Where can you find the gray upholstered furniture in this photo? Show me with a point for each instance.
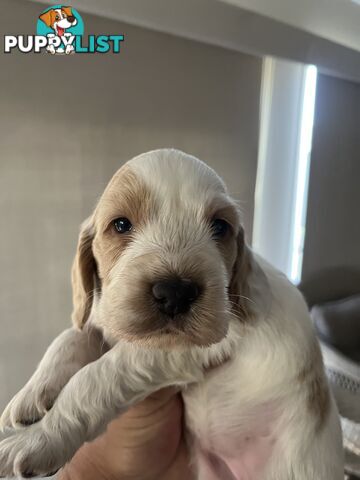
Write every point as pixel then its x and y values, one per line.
pixel 334 300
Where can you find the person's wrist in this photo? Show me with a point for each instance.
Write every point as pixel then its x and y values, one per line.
pixel 84 468
pixel 144 444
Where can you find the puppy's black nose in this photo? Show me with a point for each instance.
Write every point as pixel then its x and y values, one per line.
pixel 175 295
pixel 71 18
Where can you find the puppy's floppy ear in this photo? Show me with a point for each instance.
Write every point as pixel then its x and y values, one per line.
pixel 67 10
pixel 238 287
pixel 46 18
pixel 84 274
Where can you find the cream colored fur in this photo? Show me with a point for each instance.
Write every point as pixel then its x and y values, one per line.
pixel 246 359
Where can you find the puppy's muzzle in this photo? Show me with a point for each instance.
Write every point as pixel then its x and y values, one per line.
pixel 175 295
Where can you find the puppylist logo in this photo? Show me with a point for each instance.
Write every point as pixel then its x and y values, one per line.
pixel 60 31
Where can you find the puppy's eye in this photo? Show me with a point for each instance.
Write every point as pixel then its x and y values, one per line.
pixel 57 17
pixel 219 228
pixel 122 225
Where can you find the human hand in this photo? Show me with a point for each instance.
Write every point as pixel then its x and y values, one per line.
pixel 146 443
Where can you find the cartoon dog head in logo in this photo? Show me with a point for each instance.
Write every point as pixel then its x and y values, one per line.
pixel 59 19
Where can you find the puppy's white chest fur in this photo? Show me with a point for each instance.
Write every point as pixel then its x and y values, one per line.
pixel 231 439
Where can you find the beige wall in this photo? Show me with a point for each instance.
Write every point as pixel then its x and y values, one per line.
pixel 218 23
pixel 333 220
pixel 67 123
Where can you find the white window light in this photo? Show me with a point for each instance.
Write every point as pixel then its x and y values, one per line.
pixel 287 115
pixel 302 177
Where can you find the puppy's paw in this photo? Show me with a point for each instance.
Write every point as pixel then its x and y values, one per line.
pixel 28 406
pixel 29 453
pixel 69 49
pixel 51 49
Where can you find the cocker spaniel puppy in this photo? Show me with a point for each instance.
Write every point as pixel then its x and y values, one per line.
pixel 166 292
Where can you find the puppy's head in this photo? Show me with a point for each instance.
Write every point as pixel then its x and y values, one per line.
pixel 164 250
pixel 61 17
